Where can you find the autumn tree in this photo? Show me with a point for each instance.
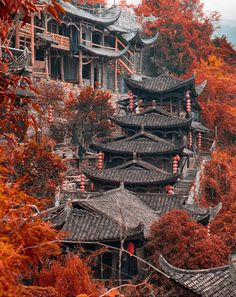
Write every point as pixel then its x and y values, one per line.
pixel 184 32
pixel 218 180
pixel 90 112
pixel 219 98
pixel 39 171
pixel 69 277
pixel 25 240
pixel 184 243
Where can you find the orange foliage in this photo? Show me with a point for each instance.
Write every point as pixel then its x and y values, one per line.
pixel 219 186
pixel 90 115
pixel 184 243
pixel 185 32
pixel 218 101
pixel 25 240
pixel 224 225
pixel 38 170
pixel 219 178
pixel 71 277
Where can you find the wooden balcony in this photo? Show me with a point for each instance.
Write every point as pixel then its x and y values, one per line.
pixel 63 42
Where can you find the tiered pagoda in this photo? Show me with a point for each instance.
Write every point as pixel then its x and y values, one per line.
pixel 157 143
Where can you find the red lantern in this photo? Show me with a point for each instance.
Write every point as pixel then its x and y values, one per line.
pixel 177 158
pixel 190 139
pixel 82 183
pixel 131 248
pixel 188 101
pixel 169 189
pixel 92 187
pixel 50 113
pixel 131 100
pixel 175 163
pixel 199 140
pixel 100 160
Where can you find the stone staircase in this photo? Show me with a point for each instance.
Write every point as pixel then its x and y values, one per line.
pixel 183 186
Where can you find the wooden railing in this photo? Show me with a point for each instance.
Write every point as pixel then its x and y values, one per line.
pixel 63 41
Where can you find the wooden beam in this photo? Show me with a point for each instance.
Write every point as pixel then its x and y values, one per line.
pixel 103 81
pixel 62 68
pixel 17 34
pixel 116 76
pixel 32 39
pixel 91 74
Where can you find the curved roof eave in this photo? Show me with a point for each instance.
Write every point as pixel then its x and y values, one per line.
pixel 135 85
pixel 103 52
pixel 82 14
pixel 146 42
pixel 133 125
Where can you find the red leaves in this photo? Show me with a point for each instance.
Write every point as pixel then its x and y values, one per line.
pixel 90 113
pixel 43 170
pixel 71 277
pixel 185 243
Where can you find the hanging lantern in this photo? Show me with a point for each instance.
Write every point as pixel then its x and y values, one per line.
pixel 131 100
pixel 169 189
pixel 100 160
pixel 175 161
pixel 199 140
pixel 130 248
pixel 92 187
pixel 50 113
pixel 190 139
pixel 209 229
pixel 188 101
pixel 82 183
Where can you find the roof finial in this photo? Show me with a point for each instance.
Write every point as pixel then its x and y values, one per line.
pixel 122 185
pixel 154 104
pixel 134 156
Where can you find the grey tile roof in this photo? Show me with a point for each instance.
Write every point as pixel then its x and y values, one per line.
pixel 200 88
pixel 199 214
pixel 154 118
pixel 162 203
pixel 214 282
pixel 83 225
pixel 199 127
pixel 133 172
pixel 142 143
pixel 161 84
pixel 103 52
pixel 106 19
pixel 136 39
pixel 124 207
pixel 82 222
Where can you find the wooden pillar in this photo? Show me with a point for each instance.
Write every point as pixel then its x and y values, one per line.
pixel 171 105
pixel 46 63
pixel 80 75
pixel 116 76
pixel 134 65
pixel 32 39
pixel 17 35
pixel 91 74
pixel 141 61
pixel 62 68
pixel 47 49
pixel 103 81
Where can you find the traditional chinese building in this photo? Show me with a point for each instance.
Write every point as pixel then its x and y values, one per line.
pixel 213 282
pixel 87 47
